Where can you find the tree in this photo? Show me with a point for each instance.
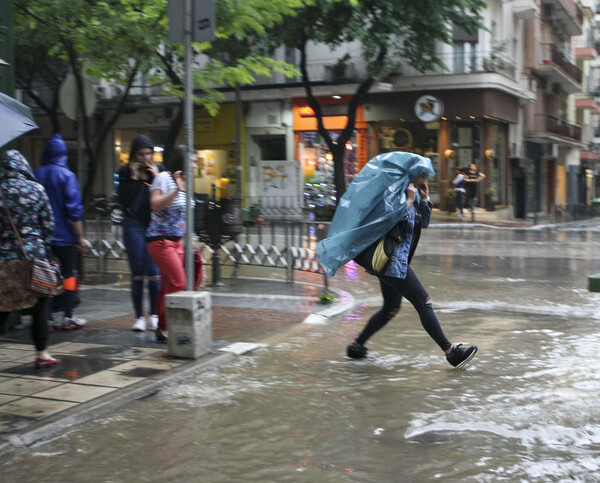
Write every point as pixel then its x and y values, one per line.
pixel 116 40
pixel 388 30
pixel 113 39
pixel 234 58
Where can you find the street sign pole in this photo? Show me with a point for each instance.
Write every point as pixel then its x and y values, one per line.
pixel 189 145
pixel 190 21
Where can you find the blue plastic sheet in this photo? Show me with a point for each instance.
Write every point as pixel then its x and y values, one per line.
pixel 373 203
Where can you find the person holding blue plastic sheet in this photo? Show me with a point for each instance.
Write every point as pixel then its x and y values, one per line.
pixel 378 224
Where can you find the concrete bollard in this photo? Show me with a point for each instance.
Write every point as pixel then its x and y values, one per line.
pixel 189 323
pixel 594 283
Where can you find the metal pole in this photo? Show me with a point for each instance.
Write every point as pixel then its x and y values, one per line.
pixel 189 144
pixel 238 141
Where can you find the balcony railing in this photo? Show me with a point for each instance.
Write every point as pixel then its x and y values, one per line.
pixel 455 62
pixel 551 54
pixel 555 125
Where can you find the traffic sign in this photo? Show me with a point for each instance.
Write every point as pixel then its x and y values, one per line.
pixel 203 20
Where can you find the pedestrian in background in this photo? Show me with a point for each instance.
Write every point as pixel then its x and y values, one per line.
pixel 459 186
pixel 167 229
pixel 133 192
pixel 63 191
pixel 473 177
pixel 25 202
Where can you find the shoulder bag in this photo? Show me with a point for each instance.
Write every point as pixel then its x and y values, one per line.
pixel 376 257
pixel 45 276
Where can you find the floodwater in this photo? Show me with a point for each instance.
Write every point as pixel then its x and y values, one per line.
pixel 526 409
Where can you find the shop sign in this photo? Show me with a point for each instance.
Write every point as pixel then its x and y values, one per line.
pixel 205 124
pixel 306 111
pixel 326 110
pixel 281 184
pixel 429 108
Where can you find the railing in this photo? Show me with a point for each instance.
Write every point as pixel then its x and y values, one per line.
pixel 470 62
pixel 552 54
pixel 283 244
pixel 455 63
pixel 555 125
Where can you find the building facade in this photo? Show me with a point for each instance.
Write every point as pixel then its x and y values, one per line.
pixel 518 99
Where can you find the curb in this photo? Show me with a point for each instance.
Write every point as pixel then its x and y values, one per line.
pixel 347 302
pixel 86 412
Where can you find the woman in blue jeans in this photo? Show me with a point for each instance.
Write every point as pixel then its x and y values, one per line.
pixel 135 180
pixel 398 280
pixel 378 224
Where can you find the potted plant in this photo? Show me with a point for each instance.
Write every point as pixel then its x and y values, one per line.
pixel 450 198
pixel 490 195
pixel 340 67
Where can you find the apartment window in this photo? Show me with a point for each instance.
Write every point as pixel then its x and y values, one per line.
pixel 465 57
pixel 465 50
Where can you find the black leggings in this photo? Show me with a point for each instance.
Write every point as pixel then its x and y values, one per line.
pixel 393 289
pixel 39 323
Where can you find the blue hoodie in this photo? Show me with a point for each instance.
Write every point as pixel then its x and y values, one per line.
pixel 62 188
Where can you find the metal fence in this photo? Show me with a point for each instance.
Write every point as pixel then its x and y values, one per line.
pixel 283 244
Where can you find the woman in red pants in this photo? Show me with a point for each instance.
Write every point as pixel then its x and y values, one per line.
pixel 164 236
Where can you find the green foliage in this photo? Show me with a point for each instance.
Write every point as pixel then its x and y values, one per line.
pixel 388 32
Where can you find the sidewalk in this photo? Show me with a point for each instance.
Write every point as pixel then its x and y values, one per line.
pixel 106 364
pixel 500 217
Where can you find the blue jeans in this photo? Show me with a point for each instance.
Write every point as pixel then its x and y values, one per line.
pixel 141 266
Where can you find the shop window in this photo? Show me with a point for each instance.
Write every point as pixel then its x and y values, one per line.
pixel 465 139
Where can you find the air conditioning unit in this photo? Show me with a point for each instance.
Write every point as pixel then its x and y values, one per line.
pixel 101 92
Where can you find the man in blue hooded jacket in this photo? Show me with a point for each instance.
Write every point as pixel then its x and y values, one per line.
pixel 62 188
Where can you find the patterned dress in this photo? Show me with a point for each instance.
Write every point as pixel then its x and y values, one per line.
pixel 31 213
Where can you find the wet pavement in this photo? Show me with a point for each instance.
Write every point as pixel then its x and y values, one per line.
pixel 105 362
pixel 524 410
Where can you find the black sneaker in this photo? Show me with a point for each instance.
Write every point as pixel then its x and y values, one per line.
pixel 459 357
pixel 356 351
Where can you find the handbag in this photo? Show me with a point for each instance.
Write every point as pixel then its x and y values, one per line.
pixel 15 289
pixel 376 257
pixel 44 277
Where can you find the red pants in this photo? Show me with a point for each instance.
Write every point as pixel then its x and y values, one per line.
pixel 169 256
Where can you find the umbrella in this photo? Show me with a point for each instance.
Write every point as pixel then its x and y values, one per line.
pixel 15 119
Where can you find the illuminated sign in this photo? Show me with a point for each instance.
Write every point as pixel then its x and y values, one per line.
pixel 429 108
pixel 306 111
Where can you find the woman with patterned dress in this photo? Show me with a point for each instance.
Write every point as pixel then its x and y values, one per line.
pixel 30 210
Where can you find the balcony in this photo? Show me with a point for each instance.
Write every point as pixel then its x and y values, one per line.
pixel 557 69
pixel 587 103
pixel 525 9
pixel 564 15
pixel 586 53
pixel 548 126
pixel 470 62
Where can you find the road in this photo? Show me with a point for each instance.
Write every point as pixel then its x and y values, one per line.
pixel 525 409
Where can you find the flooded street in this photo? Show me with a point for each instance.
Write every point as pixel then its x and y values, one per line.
pixel 525 409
